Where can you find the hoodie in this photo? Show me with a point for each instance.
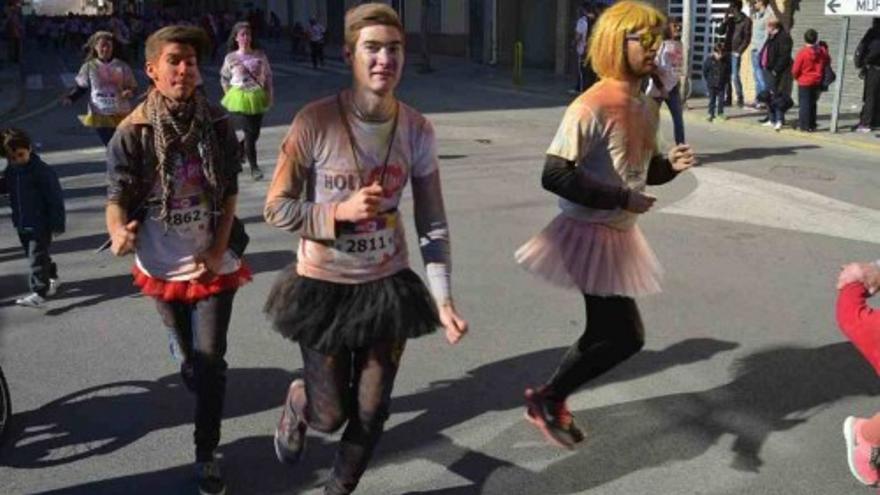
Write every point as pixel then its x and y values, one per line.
pixel 809 65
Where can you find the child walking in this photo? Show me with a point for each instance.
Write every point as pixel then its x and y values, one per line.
pixel 37 211
pixel 716 73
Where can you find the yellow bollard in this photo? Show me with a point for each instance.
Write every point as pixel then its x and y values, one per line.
pixel 517 63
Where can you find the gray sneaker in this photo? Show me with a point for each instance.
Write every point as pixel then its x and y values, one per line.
pixel 33 300
pixel 290 435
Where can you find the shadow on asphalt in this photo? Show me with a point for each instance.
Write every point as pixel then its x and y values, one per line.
pixel 773 390
pixel 105 418
pixel 251 467
pixel 99 290
pixel 746 154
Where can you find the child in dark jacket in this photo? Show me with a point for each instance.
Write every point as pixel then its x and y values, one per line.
pixel 861 324
pixel 716 73
pixel 37 211
pixel 808 70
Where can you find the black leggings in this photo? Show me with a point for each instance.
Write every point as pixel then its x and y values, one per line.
pixel 352 385
pixel 613 333
pixel 250 125
pixel 199 331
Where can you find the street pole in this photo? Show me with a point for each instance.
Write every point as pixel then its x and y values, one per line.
pixel 687 42
pixel 841 66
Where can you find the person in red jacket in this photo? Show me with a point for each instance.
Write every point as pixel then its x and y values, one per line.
pixel 861 325
pixel 808 69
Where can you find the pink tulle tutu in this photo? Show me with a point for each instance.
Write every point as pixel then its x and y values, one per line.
pixel 593 258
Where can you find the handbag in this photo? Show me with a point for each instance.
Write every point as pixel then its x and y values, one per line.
pixel 828 77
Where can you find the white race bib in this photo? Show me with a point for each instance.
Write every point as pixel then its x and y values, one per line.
pixel 106 102
pixel 189 217
pixel 368 242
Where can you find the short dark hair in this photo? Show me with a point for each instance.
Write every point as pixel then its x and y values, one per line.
pixel 736 4
pixel 811 36
pixel 13 139
pixel 193 36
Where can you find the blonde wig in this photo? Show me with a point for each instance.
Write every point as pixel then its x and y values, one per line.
pixel 607 43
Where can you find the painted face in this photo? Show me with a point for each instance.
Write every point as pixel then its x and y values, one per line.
pixel 19 156
pixel 243 38
pixel 641 50
pixel 104 49
pixel 175 72
pixel 377 60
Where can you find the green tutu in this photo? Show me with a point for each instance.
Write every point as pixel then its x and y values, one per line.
pixel 248 102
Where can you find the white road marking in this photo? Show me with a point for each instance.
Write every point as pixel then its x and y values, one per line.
pixel 736 197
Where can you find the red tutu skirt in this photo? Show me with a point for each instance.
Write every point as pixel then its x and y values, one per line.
pixel 189 291
pixel 592 258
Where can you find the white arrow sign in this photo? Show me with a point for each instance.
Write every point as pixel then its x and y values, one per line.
pixel 852 7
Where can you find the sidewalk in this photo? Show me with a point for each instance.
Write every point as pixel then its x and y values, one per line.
pixel 557 88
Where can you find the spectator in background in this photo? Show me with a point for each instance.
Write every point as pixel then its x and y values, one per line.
pixel 581 35
pixel 665 84
pixel 759 37
pixel 776 61
pixel 737 31
pixel 867 60
pixel 808 70
pixel 14 30
pixel 297 37
pixel 316 42
pixel 716 73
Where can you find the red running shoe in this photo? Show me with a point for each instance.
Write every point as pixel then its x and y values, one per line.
pixel 553 419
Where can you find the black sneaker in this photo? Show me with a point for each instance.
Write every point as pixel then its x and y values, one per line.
pixel 553 419
pixel 256 173
pixel 290 436
pixel 210 480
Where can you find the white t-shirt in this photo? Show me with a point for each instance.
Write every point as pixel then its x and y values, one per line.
pixel 610 135
pixel 167 252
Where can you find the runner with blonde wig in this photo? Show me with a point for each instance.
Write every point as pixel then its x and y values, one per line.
pixel 602 157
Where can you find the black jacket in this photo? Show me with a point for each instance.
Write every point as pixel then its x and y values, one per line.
pixel 716 73
pixel 737 32
pixel 35 196
pixel 131 160
pixel 868 51
pixel 778 49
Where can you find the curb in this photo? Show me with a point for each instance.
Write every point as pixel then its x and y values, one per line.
pixel 825 137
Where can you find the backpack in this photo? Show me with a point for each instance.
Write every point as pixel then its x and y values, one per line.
pixel 828 77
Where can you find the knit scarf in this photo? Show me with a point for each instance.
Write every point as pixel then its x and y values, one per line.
pixel 182 130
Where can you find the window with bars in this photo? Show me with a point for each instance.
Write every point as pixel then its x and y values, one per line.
pixel 708 15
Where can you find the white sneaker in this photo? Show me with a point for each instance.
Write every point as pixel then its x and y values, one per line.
pixel 54 285
pixel 34 300
pixel 769 123
pixel 777 126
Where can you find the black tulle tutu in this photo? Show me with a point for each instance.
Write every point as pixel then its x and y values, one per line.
pixel 327 316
